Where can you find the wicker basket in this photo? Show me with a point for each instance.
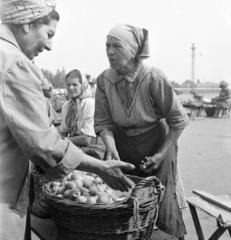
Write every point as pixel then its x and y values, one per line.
pixel 39 205
pixel 133 219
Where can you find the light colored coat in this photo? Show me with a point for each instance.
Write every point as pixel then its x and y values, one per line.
pixel 25 134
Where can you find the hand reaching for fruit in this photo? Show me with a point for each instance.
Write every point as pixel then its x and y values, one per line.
pixel 112 174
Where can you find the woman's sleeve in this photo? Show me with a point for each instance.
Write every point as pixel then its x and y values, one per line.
pixel 102 117
pixel 165 101
pixel 25 112
pixel 87 127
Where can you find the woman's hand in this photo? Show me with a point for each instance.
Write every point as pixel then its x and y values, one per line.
pixel 111 173
pixel 150 164
pixel 109 141
pixel 111 153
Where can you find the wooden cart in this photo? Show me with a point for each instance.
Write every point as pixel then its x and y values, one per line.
pixel 218 207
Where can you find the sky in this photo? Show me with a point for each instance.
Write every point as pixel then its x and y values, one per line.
pixel 173 26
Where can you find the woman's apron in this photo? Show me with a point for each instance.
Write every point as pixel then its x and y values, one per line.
pixel 134 149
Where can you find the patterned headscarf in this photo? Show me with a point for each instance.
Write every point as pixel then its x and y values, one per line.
pixel 134 37
pixel 24 11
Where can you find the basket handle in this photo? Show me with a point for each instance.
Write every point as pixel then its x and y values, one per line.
pixel 150 181
pixel 155 183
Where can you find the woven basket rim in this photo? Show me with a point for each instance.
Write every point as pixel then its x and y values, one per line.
pixel 125 203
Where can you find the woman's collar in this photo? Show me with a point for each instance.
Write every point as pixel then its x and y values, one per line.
pixel 130 77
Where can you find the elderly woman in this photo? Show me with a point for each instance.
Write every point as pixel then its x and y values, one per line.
pixel 139 117
pixel 221 102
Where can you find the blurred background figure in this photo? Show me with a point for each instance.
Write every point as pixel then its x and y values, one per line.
pixel 92 82
pixel 48 93
pixel 222 102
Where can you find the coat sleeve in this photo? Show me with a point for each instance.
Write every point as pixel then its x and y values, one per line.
pixel 26 116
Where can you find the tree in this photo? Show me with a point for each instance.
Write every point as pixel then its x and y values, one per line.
pixel 175 84
pixel 57 79
pixel 188 84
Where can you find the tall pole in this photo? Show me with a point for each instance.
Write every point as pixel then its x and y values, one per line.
pixel 193 48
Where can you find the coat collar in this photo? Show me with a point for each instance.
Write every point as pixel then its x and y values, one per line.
pixel 114 77
pixel 7 35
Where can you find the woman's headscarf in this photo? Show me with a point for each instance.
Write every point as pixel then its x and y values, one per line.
pixel 24 11
pixel 134 37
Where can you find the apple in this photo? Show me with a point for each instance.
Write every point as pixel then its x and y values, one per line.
pixel 81 199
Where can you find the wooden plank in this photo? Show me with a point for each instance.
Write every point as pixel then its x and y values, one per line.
pixel 211 209
pixel 221 201
pixel 217 234
pixel 196 221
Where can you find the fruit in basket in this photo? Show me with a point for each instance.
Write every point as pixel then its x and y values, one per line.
pixel 81 199
pixel 78 183
pixel 87 181
pixel 98 180
pixel 67 193
pixel 74 175
pixel 93 190
pixel 70 185
pixel 84 192
pixel 74 194
pixel 60 195
pixel 92 200
pixel 84 187
pixel 61 190
pixel 103 199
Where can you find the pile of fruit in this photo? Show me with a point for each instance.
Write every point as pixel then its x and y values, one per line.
pixel 83 187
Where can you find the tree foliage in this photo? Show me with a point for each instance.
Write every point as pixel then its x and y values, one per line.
pixel 57 79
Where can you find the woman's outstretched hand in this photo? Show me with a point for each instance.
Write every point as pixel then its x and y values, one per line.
pixel 111 173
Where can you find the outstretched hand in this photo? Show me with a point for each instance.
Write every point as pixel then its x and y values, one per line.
pixel 114 177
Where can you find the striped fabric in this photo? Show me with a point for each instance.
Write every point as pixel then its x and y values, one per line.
pixel 152 100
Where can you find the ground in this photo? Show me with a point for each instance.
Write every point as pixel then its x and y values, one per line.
pixel 205 163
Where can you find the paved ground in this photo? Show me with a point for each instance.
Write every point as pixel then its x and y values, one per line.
pixel 205 163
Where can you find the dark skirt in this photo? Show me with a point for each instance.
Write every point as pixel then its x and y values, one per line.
pixel 136 148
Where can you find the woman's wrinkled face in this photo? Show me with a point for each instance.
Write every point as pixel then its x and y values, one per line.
pixel 118 53
pixel 74 87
